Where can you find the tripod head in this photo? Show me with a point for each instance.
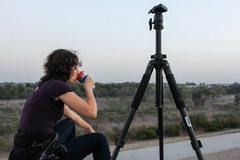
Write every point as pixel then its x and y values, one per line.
pixel 158 26
pixel 157 10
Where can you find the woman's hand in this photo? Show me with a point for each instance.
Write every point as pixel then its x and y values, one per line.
pixel 90 129
pixel 88 83
pixel 77 119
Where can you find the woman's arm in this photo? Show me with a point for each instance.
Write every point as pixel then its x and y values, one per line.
pixel 77 119
pixel 86 108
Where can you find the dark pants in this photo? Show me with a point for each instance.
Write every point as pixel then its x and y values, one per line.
pixel 80 147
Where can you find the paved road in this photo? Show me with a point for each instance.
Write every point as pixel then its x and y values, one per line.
pixel 182 150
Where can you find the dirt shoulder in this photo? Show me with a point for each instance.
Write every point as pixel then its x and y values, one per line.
pixel 151 143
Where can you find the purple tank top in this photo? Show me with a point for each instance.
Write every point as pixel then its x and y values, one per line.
pixel 41 109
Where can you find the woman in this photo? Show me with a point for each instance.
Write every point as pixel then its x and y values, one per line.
pixel 46 105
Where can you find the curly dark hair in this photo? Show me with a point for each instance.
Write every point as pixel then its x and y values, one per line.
pixel 59 64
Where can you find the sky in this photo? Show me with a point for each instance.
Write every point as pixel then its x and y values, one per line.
pixel 200 38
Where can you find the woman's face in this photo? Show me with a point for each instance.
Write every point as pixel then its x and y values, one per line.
pixel 74 73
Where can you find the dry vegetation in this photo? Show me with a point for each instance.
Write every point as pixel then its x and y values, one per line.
pixel 114 111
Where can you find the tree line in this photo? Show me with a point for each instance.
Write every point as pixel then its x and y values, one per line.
pixel 127 89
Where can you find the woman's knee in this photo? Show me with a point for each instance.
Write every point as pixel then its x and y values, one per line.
pixel 100 135
pixel 102 138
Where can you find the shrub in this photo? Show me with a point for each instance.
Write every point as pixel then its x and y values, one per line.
pixel 143 133
pixel 199 120
pixel 213 126
pixel 232 121
pixel 228 121
pixel 172 130
pixel 113 133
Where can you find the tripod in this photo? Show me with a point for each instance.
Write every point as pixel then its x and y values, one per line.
pixel 157 61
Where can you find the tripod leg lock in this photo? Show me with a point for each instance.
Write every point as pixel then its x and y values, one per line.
pixel 196 145
pixel 120 142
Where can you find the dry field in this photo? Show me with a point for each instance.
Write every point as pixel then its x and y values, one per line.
pixel 10 111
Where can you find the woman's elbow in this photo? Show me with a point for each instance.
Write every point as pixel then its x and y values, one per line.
pixel 93 115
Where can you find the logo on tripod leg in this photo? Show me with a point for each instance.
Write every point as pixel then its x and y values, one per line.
pixel 188 122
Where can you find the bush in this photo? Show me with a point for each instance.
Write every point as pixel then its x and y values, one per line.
pixel 172 130
pixel 113 133
pixel 143 133
pixel 232 120
pixel 199 120
pixel 220 122
pixel 213 126
pixel 229 120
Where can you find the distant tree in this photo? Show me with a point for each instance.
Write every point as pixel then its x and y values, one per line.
pixel 8 91
pixel 187 92
pixel 20 89
pixel 234 88
pixel 25 92
pixel 200 94
pixel 217 90
pixel 237 99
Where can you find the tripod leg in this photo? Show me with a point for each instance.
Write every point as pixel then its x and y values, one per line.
pixel 135 104
pixel 196 144
pixel 159 105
